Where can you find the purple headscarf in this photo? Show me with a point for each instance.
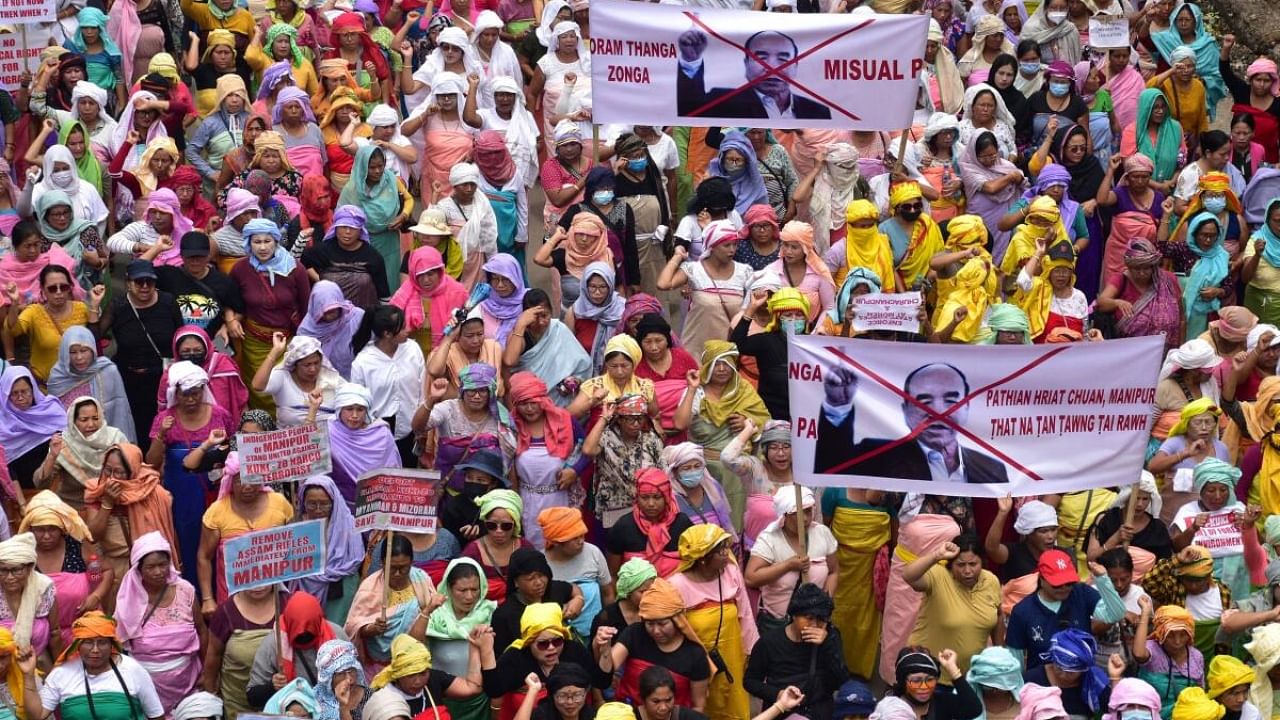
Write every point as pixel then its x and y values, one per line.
pixel 748 185
pixel 335 337
pixel 348 216
pixel 272 77
pixel 343 549
pixel 166 201
pixel 505 309
pixel 1054 174
pixel 22 430
pixel 292 94
pixel 355 452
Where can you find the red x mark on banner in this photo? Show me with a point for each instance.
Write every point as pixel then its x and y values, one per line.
pixel 944 417
pixel 771 71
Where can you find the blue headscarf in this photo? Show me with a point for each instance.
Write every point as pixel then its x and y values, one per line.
pixel 1270 253
pixel 93 17
pixel 857 276
pixel 1209 270
pixel 1073 650
pixel 296 691
pixel 282 263
pixel 1205 49
pixel 748 185
pixel 334 657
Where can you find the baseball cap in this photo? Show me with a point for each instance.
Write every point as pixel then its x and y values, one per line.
pixel 194 244
pixel 854 698
pixel 141 269
pixel 1057 567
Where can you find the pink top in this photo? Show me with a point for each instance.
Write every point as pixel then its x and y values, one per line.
pixel 733 588
pixel 555 176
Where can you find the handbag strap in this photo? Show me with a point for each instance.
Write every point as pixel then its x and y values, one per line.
pixel 145 334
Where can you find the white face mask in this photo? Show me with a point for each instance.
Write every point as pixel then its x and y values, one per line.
pixel 62 178
pixel 1057 17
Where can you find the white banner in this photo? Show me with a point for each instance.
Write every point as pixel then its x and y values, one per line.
pixel 14 59
pixel 28 11
pixel 660 64
pixel 972 420
pixel 1108 31
pixel 895 312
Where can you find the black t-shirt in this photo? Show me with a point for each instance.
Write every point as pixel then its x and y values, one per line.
pixel 609 616
pixel 506 619
pixel 625 537
pixel 1022 562
pixel 1038 104
pixel 688 660
pixel 438 681
pixel 361 273
pixel 1072 697
pixel 1154 538
pixel 144 339
pixel 201 302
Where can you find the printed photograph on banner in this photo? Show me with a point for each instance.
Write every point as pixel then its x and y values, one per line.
pixel 672 64
pixel 971 420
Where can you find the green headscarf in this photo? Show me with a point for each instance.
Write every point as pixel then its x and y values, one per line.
pixel 88 166
pixel 69 238
pixel 444 622
pixel 1005 318
pixel 1168 137
pixel 634 573
pixel 996 668
pixel 381 203
pixel 278 29
pixel 501 499
pixel 1213 470
pixel 1271 534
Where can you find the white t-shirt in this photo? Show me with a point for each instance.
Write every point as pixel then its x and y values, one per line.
pixel 291 402
pixel 394 383
pixel 1219 535
pixel 690 230
pixel 587 565
pixel 67 681
pixel 772 547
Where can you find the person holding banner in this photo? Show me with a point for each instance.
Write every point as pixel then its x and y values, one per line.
pixel 396 599
pixel 1221 523
pixel 319 499
pixel 776 568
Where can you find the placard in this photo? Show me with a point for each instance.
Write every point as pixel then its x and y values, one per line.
pixel 898 312
pixel 274 555
pixel 287 455
pixel 13 59
pixel 1108 31
pixel 396 499
pixel 660 64
pixel 971 420
pixel 21 12
pixel 1219 535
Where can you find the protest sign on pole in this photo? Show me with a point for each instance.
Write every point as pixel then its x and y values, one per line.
pixel 274 555
pixel 896 312
pixel 396 499
pixel 287 455
pixel 19 51
pixel 971 420
pixel 658 64
pixel 1108 31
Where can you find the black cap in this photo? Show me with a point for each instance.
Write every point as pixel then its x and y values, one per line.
pixel 141 269
pixel 195 244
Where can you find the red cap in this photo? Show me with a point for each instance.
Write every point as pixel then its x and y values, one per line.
pixel 1057 567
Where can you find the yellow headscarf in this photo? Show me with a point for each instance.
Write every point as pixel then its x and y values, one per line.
pixel 699 540
pixel 615 711
pixel 46 508
pixel 1261 417
pixel 1265 649
pixel 1196 407
pixel 164 65
pixel 1215 182
pixel 270 140
pixel 1226 672
pixel 867 247
pixel 738 397
pixel 146 180
pixel 341 97
pixel 627 345
pixel 1037 301
pixel 966 231
pixel 1194 704
pixel 1199 568
pixel 14 677
pixel 216 38
pixel 926 238
pixel 1170 619
pixel 230 84
pixel 968 290
pixel 1025 238
pixel 537 619
pixel 788 298
pixel 408 657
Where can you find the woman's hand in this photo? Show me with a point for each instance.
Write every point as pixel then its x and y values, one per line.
pixel 947 659
pixel 217 436
pixel 375 628
pixel 1124 307
pixel 279 343
pixel 207 607
pixel 789 699
pixel 814 634
pixel 165 426
pixel 604 637
pixel 406 50
pixel 482 637
pixel 55 445
pixel 92 601
pixel 532 685
pixel 349 694
pixel 1004 505
pixel 736 423
pixel 26 661
pixel 566 478
pixel 113 490
pixel 693 380
pixel 96 296
pixel 1144 606
pixel 278 680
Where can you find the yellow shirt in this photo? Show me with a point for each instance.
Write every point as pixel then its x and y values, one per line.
pixel 956 617
pixel 46 335
pixel 220 518
pixel 1267 278
pixel 1187 106
pixel 240 22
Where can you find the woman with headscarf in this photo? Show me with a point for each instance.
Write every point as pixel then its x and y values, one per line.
pixel 295 122
pixel 270 159
pixel 864 245
pixel 30 419
pixel 1209 279
pixel 667 640
pixel 103 60
pixel 801 267
pixel 1146 533
pixel 991 184
pixel 282 44
pixel 549 457
pixel 995 674
pixel 81 372
pixel 386 203
pixel 651 531
pixel 985 111
pixel 1187 30
pixel 332 320
pixel 829 189
pixel 1261 269
pixel 775 566
pixel 633 579
pixel 359 441
pixel 63 550
pixel 1146 299
pixel 505 190
pixel 1072 668
pixel 664 361
pixel 358 50
pixel 596 312
pixel 1156 134
pixel 413 681
pixel 1078 204
pixel 500 513
pixel 1167 660
pixel 1229 681
pixel 1257 96
pixel 429 299
pixel 544 647
pixel 159 621
pixel 605 232
pixel 759 233
pixel 126 500
pixel 342 119
pixel 84 442
pixel 341 689
pixel 345 256
pixel 1138 207
pixel 375 618
pixel 62 172
pixel 240 508
pixel 300 630
pixel 698 495
pixel 451 626
pixel 192 343
pixel 717 285
pixel 1046 291
pixel 473 421
pixel 617 379
pixel 220 57
pixel 736 162
pixel 447 139
pixel 622 441
pixel 28 604
pixel 1058 39
pixel 303 371
pixel 503 307
pixel 1210 521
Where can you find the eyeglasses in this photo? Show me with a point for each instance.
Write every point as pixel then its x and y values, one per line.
pixel 911 206
pixel 318 506
pixel 571 696
pixel 143 282
pixel 59 288
pixel 922 681
pixel 116 473
pixel 20 392
pixel 492 525
pixel 549 643
pixel 95 643
pixel 475 392
pixel 14 571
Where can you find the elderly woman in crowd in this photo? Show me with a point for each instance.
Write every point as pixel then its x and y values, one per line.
pixel 193 344
pixel 28 599
pixel 292 385
pixel 623 441
pixel 468 423
pixel 1167 659
pixel 1191 440
pixel 30 421
pixel 81 371
pixel 698 494
pixel 319 499
pixel 1215 520
pixel 358 441
pixel 775 567
pixel 64 552
pixel 1145 299
pixel 85 441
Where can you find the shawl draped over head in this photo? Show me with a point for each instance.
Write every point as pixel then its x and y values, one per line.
pixel 1164 151
pixel 738 397
pixel 333 657
pixel 577 259
pixel 408 657
pixel 1086 175
pixel 657 532
pixel 47 509
pixel 673 456
pixel 343 550
pixel 748 184
pixel 21 431
pixel 525 387
pixel 868 247
pixel 296 691
pixel 447 296
pixel 198 705
pixel 996 668
pixel 21 550
pixel 444 622
pixel 1073 650
pixel 1036 701
pixel 608 315
pixel 371 446
pixel 505 309
pixel 1204 49
pixel 101 378
pixel 281 263
pixel 835 187
pixel 381 203
pixel 148 505
pixel 82 455
pixel 334 335
pixel 1209 270
pixel 1194 704
pixel 1265 650
pixel 133 601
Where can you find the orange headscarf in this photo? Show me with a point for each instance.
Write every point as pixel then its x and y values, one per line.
pixel 575 260
pixel 149 505
pixel 652 479
pixel 557 429
pixel 1170 619
pixel 661 601
pixel 561 524
pixel 91 625
pixel 802 233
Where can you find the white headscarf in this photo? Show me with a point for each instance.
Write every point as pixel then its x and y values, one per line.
pixel 479 234
pixel 1256 333
pixel 548 20
pixel 502 58
pixel 1147 484
pixel 201 704
pixel 835 187
pixel 1033 516
pixel 1002 111
pixel 1196 355
pixel 21 550
pixel 85 201
pixel 350 393
pixel 784 503
pixel 520 132
pixel 121 131
pixel 184 376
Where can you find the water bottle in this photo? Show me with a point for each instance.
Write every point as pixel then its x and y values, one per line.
pixel 946 177
pixel 95 571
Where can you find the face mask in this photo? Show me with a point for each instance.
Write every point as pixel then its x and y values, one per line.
pixel 303 639
pixel 637 166
pixel 690 478
pixel 1215 205
pixel 1135 715
pixel 62 178
pixel 1057 17
pixel 195 358
pixel 1029 68
pixel 733 169
pixel 1059 89
pixel 910 215
pixel 793 326
pixel 474 490
pixel 603 197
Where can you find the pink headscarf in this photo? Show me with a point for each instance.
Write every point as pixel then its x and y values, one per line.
pixel 132 598
pixel 1082 69
pixel 1040 703
pixel 1265 66
pixel 26 275
pixel 447 296
pixel 718 232
pixel 125 28
pixel 166 201
pixel 493 158
pixel 1131 691
pixel 757 214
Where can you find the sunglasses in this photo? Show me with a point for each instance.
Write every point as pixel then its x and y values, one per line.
pixel 59 288
pixel 492 525
pixel 549 643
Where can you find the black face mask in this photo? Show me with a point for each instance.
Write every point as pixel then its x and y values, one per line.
pixel 474 490
pixel 909 215
pixel 195 358
pixel 302 639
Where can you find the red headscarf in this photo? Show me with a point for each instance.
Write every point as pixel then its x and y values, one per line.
pixel 448 295
pixel 493 158
pixel 317 200
pixel 557 431
pixel 652 479
pixel 302 614
pixel 352 22
pixel 199 211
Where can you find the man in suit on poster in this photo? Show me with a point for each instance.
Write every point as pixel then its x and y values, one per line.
pixel 772 97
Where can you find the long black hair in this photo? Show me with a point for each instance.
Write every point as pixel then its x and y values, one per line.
pixel 384 320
